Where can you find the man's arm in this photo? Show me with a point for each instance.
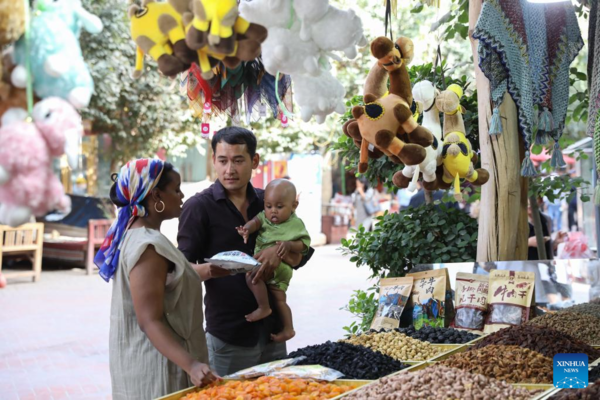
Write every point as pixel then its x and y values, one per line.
pixel 192 233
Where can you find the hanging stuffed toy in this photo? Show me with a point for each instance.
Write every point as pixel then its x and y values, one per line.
pixel 28 185
pixel 424 93
pixel 158 30
pixel 329 27
pixel 213 24
pixel 163 30
pixel 319 96
pixel 382 120
pixel 302 38
pixel 12 21
pixel 57 65
pixel 457 154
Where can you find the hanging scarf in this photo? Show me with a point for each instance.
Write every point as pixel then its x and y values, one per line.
pixel 136 179
pixel 526 49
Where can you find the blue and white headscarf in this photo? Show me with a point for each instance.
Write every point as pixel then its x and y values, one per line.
pixel 136 179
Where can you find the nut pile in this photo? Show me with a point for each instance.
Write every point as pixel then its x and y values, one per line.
pixel 439 382
pixel 395 345
pixel 581 326
pixel 589 393
pixel 512 364
pixel 268 387
pixel 438 335
pixel 355 362
pixel 586 308
pixel 545 341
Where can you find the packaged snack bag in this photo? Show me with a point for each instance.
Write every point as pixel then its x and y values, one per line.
pixel 471 296
pixel 234 261
pixel 431 299
pixel 264 369
pixel 393 296
pixel 510 299
pixel 316 372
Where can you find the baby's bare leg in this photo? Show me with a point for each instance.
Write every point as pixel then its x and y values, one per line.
pixel 259 290
pixel 286 316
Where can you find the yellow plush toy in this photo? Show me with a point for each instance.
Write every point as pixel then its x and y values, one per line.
pixel 457 154
pixel 158 30
pixel 217 15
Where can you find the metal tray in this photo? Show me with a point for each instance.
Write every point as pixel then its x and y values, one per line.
pixel 350 382
pixel 548 388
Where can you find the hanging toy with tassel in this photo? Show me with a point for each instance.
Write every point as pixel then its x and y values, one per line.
pixel 545 127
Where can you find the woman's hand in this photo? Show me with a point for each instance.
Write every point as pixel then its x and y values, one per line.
pixel 208 271
pixel 201 374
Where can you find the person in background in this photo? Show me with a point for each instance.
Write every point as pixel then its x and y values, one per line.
pixel 551 245
pixel 419 198
pixel 157 344
pixel 365 203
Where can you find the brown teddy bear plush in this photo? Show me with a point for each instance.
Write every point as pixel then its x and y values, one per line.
pixel 384 119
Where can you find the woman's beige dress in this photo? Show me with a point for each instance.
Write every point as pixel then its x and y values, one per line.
pixel 137 369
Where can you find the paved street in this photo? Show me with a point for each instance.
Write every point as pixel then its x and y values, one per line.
pixel 54 333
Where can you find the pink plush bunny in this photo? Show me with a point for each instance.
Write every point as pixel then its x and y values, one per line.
pixel 28 185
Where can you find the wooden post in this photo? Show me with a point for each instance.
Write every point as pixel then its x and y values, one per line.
pixel 503 212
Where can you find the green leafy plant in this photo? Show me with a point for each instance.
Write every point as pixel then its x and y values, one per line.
pixel 558 187
pixel 429 234
pixel 363 305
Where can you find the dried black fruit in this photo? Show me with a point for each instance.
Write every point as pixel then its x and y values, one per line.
pixel 355 362
pixel 438 335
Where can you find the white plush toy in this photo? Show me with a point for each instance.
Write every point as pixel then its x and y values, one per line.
pixel 319 96
pixel 425 93
pixel 284 52
pixel 330 28
pixel 268 13
pixel 303 34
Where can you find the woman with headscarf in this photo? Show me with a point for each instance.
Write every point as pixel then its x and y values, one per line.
pixel 157 343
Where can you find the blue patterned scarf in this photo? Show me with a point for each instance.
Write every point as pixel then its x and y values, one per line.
pixel 136 179
pixel 526 49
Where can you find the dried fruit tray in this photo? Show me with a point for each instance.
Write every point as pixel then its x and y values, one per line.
pixel 443 348
pixel 178 395
pixel 415 367
pixel 548 389
pixel 448 353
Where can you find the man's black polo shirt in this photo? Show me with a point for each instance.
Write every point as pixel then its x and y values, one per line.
pixel 207 227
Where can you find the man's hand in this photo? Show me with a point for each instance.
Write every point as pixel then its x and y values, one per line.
pixel 269 263
pixel 283 249
pixel 201 375
pixel 243 231
pixel 208 271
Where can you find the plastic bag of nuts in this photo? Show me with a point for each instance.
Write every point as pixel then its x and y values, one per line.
pixel 512 364
pixel 395 345
pixel 439 382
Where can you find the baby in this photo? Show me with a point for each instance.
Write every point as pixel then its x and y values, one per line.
pixel 279 226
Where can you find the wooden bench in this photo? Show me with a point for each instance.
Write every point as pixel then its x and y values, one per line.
pixel 25 239
pixel 97 229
